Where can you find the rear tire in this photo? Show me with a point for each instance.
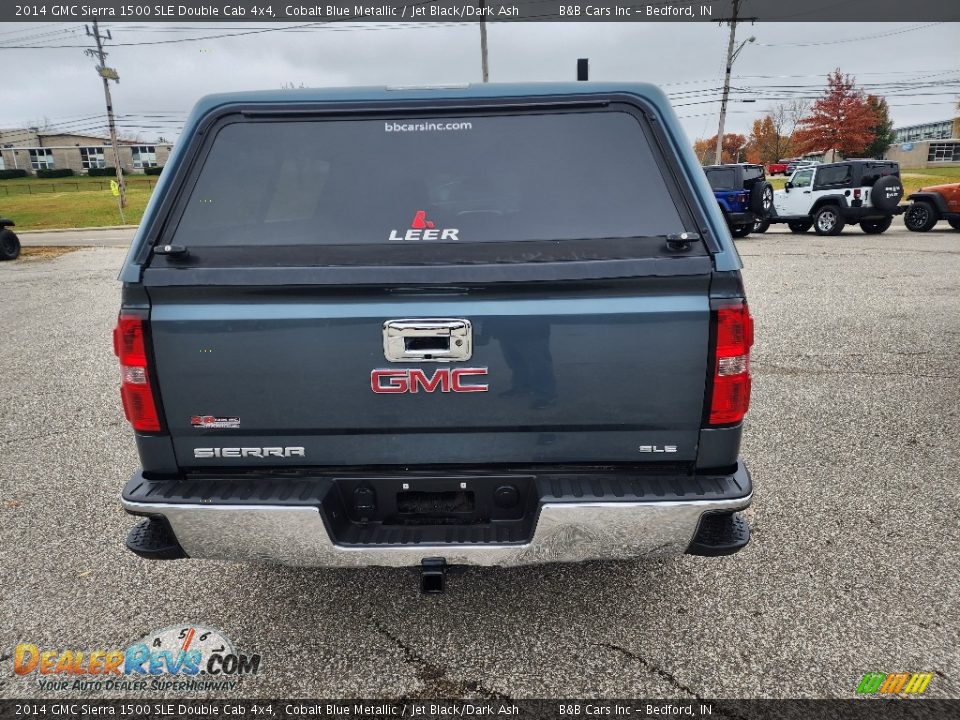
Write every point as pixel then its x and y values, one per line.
pixel 799 227
pixel 761 226
pixel 921 216
pixel 875 227
pixel 828 220
pixel 955 224
pixel 9 245
pixel 741 231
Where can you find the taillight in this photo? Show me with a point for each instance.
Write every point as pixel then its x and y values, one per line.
pixel 730 394
pixel 856 193
pixel 135 390
pixel 742 198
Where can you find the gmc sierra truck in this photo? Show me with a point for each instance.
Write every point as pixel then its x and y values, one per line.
pixel 494 325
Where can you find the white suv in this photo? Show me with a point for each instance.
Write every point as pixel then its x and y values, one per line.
pixel 827 197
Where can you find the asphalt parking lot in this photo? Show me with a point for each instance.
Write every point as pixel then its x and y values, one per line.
pixel 852 441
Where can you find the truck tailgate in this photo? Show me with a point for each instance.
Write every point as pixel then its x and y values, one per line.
pixel 591 372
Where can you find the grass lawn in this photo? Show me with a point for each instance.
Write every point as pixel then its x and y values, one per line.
pixel 58 203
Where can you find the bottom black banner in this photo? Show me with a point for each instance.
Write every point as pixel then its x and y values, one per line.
pixel 862 709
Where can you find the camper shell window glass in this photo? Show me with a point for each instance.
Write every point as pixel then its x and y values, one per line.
pixel 585 175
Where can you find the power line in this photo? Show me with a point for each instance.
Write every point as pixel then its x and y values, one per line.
pixel 843 41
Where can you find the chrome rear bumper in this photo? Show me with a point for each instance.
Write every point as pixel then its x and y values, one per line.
pixel 565 532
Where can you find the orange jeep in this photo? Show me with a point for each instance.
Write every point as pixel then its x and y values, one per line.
pixel 930 204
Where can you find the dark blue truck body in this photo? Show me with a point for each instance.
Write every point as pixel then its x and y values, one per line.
pixel 455 323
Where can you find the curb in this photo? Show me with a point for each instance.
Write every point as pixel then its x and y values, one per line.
pixel 80 229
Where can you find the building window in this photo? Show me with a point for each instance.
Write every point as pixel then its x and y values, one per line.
pixel 144 156
pixel 41 158
pixel 931 131
pixel 944 152
pixel 92 157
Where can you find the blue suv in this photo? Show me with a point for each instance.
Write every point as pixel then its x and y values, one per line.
pixel 744 196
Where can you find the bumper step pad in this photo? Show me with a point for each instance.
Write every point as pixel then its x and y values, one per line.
pixel 153 539
pixel 720 534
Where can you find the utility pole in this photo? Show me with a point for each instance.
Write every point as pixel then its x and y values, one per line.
pixel 731 56
pixel 107 74
pixel 483 41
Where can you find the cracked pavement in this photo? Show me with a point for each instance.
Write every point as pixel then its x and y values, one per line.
pixel 852 440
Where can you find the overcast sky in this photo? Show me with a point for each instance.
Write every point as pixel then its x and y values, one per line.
pixel 159 83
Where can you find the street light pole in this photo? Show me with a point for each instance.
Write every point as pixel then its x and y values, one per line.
pixel 731 56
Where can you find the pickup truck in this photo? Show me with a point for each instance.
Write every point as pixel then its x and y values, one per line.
pixel 494 325
pixel 777 168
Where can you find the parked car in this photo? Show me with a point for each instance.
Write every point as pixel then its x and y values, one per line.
pixel 9 242
pixel 797 164
pixel 930 205
pixel 431 358
pixel 778 168
pixel 743 193
pixel 829 196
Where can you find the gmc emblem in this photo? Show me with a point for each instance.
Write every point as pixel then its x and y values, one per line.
pixel 443 379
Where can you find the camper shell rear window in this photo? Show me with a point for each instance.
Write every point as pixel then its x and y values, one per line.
pixel 527 186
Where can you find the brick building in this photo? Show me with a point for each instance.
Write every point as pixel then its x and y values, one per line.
pixel 32 150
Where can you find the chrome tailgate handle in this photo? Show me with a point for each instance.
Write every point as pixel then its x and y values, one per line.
pixel 427 340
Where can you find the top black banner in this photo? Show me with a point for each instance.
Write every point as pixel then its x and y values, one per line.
pixel 325 11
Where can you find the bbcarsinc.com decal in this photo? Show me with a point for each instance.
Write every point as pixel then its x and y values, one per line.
pixel 182 658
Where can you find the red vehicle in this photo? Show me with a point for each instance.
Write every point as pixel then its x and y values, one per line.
pixel 777 168
pixel 932 204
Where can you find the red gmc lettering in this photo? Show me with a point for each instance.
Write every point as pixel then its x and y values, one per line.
pixel 461 372
pixel 441 378
pixel 389 381
pixel 446 379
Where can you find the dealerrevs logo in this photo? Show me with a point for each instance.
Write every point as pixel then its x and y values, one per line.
pixel 423 229
pixel 185 658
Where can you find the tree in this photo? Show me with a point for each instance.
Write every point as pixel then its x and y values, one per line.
pixel 701 149
pixel 840 120
pixel 786 116
pixel 882 127
pixel 732 144
pixel 766 144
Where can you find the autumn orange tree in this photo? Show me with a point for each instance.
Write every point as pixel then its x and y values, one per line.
pixel 706 147
pixel 841 119
pixel 765 144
